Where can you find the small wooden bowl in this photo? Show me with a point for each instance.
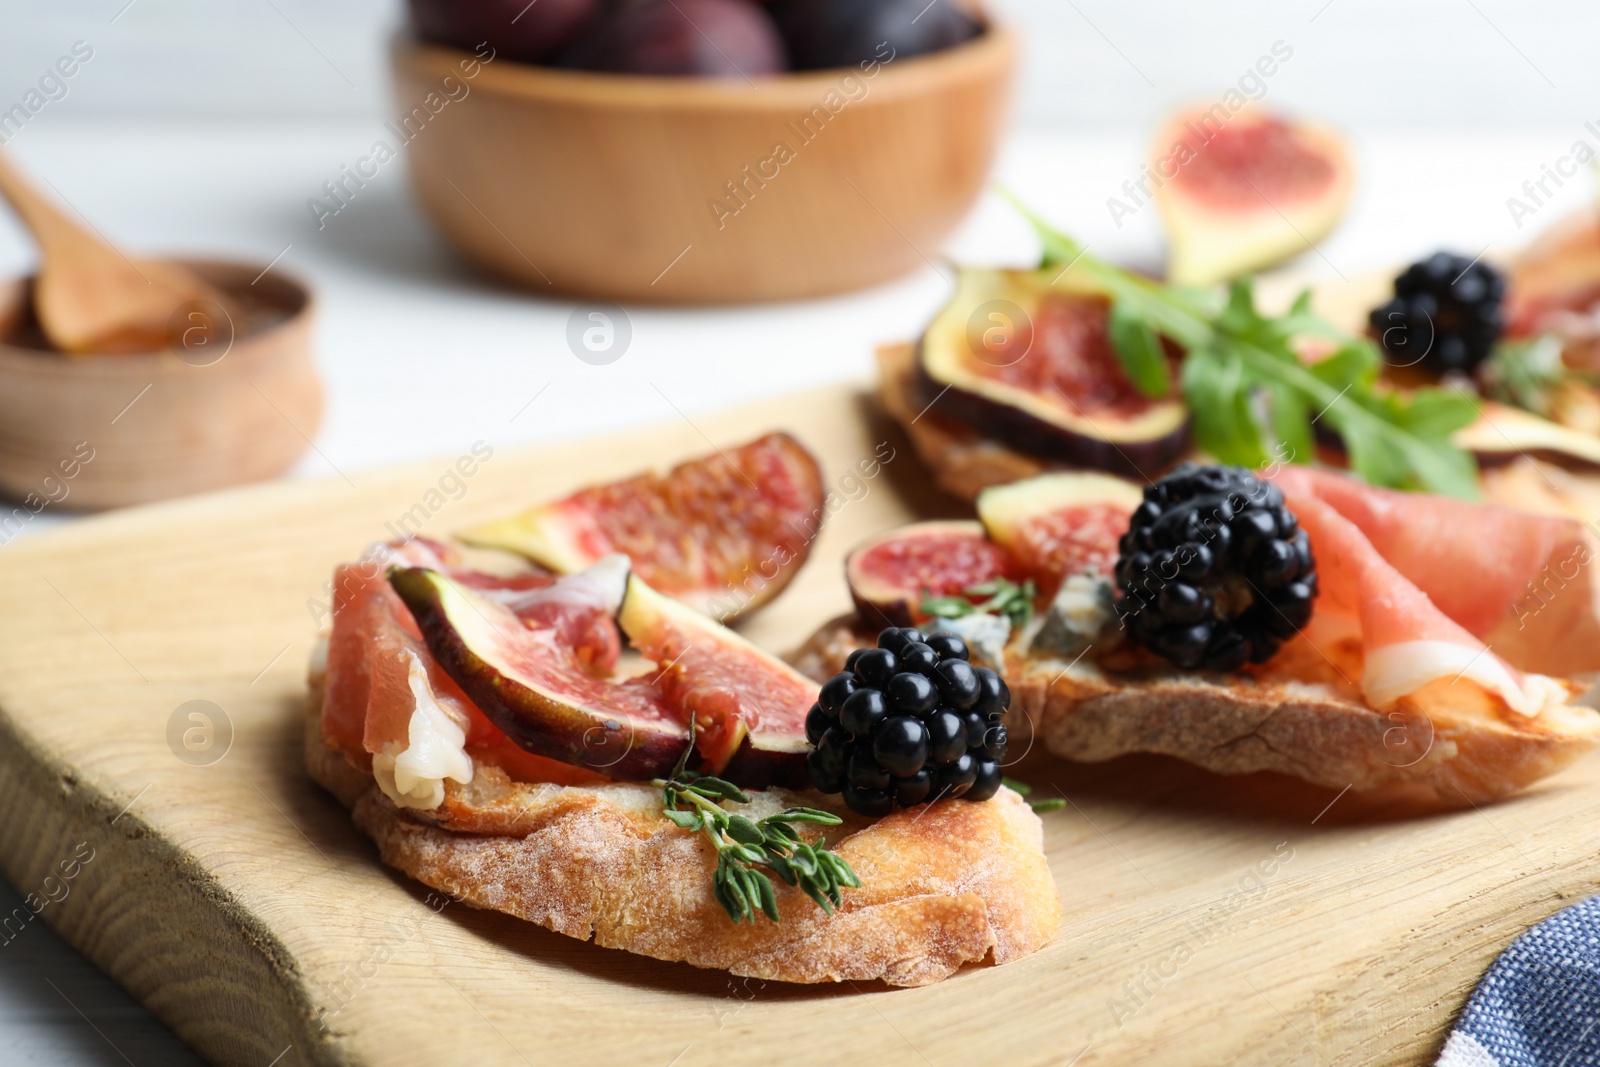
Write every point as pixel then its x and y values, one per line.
pixel 86 432
pixel 607 185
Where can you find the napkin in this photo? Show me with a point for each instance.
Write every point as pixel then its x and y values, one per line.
pixel 1539 1005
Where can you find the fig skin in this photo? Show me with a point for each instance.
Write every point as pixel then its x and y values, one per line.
pixel 824 34
pixel 950 379
pixel 677 38
pixel 880 599
pixel 538 33
pixel 707 500
pixel 656 625
pixel 1048 440
pixel 542 722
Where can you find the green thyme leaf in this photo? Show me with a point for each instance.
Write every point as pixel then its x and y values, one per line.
pixel 999 596
pixel 1023 789
pixel 694 801
pixel 689 820
pixel 744 831
pixel 947 607
pixel 1526 372
pixel 811 815
pixel 766 894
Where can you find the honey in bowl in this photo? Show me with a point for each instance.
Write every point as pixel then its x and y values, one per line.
pixel 233 397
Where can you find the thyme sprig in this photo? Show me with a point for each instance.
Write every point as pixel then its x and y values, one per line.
pixel 695 801
pixel 1002 597
pixel 1527 372
pixel 1023 789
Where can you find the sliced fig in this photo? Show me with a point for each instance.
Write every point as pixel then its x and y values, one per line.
pixel 1030 364
pixel 1058 525
pixel 1504 433
pixel 749 707
pixel 1557 276
pixel 723 533
pixel 891 574
pixel 521 666
pixel 1243 191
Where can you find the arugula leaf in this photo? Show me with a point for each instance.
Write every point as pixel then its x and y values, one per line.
pixel 1291 420
pixel 1139 348
pixel 1252 397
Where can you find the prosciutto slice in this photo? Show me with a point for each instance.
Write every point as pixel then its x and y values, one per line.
pixel 1426 577
pixel 1474 561
pixel 387 701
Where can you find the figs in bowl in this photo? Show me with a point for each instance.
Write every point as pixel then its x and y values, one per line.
pixel 666 189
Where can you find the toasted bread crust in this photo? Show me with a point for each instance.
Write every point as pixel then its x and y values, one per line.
pixel 942 885
pixel 963 461
pixel 1299 715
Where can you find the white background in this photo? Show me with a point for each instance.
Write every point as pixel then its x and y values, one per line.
pixel 204 125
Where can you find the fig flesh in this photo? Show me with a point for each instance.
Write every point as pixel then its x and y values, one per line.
pixel 723 533
pixel 748 706
pixel 1029 364
pixel 538 663
pixel 1060 525
pixel 890 575
pixel 522 668
pixel 1243 191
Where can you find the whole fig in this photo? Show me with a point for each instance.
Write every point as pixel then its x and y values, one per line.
pixel 844 33
pixel 713 38
pixel 515 29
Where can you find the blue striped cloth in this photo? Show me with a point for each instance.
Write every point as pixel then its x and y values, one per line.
pixel 1539 1005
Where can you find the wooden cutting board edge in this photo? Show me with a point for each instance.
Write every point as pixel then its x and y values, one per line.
pixel 187 926
pixel 42 839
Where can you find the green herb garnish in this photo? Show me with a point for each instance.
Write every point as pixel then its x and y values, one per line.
pixel 999 596
pixel 694 801
pixel 1252 398
pixel 1526 372
pixel 1023 789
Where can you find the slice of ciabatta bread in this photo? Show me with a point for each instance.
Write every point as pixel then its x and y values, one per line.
pixel 962 460
pixel 942 885
pixel 1301 713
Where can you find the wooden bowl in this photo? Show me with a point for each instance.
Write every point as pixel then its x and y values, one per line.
pixel 675 190
pixel 213 410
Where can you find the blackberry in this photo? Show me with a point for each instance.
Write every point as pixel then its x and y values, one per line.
pixel 907 722
pixel 1214 571
pixel 1445 315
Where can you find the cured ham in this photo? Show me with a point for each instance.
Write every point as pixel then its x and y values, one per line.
pixel 1427 578
pixel 389 705
pixel 1478 563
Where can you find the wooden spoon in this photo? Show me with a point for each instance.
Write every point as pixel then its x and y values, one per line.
pixel 89 297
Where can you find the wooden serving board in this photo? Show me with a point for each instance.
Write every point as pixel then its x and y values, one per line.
pixel 1208 920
